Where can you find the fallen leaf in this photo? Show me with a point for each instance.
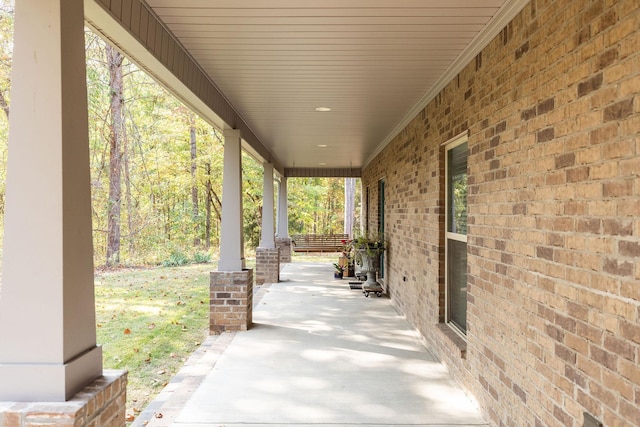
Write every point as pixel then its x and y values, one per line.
pixel 179 303
pixel 127 331
pixel 152 326
pixel 158 415
pixel 130 417
pixel 161 372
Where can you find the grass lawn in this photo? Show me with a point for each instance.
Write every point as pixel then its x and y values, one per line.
pixel 148 322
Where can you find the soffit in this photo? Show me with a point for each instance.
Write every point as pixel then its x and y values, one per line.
pixel 373 62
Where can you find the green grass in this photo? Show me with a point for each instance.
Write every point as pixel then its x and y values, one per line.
pixel 148 322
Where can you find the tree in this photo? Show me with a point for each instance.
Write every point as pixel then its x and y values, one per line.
pixel 116 142
pixel 318 205
pixel 195 211
pixel 156 166
pixel 349 205
pixel 252 186
pixel 212 198
pixel 6 52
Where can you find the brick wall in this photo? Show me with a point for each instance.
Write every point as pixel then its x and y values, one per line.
pixel 552 109
pixel 284 244
pixel 230 301
pixel 100 404
pixel 267 265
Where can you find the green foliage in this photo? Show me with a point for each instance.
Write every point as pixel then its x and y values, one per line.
pixel 157 207
pixel 157 213
pixel 176 259
pixel 252 183
pixel 371 245
pixel 6 51
pixel 202 257
pixel 318 205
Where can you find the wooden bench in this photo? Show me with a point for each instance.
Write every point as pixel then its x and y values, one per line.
pixel 318 242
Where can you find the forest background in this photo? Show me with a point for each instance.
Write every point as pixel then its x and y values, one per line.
pixel 156 169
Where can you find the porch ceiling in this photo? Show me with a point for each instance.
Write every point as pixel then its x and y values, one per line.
pixel 375 63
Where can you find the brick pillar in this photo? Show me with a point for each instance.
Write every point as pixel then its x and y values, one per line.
pixel 284 244
pixel 100 404
pixel 231 301
pixel 267 265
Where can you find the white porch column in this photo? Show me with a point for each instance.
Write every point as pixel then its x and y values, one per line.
pixel 282 230
pixel 48 346
pixel 231 287
pixel 267 239
pixel 231 235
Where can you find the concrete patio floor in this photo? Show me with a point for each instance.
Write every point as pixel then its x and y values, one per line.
pixel 318 354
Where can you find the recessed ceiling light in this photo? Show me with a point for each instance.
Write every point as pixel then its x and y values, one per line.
pixel 323 109
pixel 322 145
pixel 322 164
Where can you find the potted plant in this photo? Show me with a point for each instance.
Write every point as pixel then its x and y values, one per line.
pixel 368 250
pixel 347 259
pixel 339 271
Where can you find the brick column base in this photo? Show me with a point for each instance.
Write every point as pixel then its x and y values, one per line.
pixel 284 244
pixel 100 404
pixel 231 301
pixel 267 265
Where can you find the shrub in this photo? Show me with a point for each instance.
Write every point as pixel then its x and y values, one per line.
pixel 202 257
pixel 176 259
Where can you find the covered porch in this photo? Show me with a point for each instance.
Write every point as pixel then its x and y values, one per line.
pixel 497 143
pixel 318 353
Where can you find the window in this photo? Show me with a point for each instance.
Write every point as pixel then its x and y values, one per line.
pixel 366 213
pixel 456 234
pixel 381 221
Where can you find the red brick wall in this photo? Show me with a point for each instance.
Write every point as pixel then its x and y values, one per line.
pixel 552 107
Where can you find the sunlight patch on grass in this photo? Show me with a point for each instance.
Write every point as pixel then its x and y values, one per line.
pixel 138 308
pixel 148 322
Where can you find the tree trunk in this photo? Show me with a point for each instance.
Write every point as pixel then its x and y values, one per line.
pixel 194 186
pixel 213 198
pixel 114 62
pixel 349 205
pixel 4 104
pixel 128 202
pixel 207 230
